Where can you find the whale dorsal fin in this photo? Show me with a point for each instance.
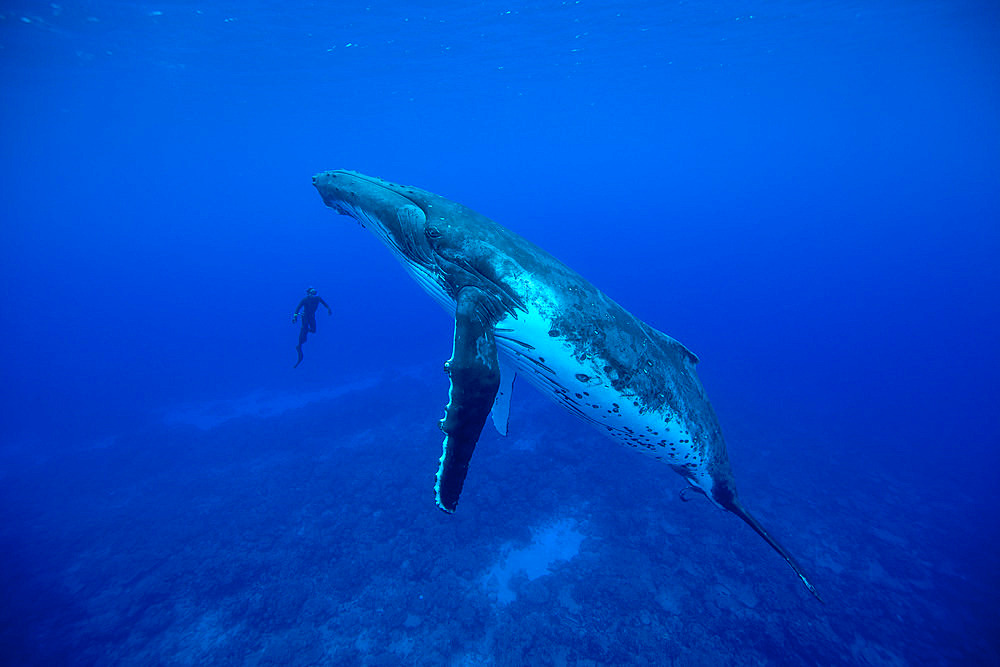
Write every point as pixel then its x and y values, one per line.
pixel 671 343
pixel 474 370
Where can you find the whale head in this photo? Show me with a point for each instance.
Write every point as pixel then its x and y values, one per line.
pixel 396 215
pixel 381 207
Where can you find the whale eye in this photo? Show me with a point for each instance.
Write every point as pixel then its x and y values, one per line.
pixel 433 232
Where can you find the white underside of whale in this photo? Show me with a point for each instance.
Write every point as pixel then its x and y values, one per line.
pixel 556 369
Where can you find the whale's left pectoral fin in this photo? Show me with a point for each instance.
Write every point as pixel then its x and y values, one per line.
pixel 501 406
pixel 475 378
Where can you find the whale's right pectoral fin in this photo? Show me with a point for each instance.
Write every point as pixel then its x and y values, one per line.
pixel 475 378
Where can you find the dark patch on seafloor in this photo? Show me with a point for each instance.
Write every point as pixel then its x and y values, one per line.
pixel 311 537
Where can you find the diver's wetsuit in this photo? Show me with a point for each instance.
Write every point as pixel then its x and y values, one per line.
pixel 308 306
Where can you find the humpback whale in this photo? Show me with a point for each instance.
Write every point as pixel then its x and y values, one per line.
pixel 519 310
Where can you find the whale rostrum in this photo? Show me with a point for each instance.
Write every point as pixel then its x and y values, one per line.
pixel 521 312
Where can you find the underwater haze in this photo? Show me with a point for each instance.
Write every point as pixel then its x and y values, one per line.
pixel 806 194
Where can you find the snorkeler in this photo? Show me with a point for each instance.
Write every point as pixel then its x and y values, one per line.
pixel 308 305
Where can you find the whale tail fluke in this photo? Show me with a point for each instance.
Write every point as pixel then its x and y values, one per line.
pixel 739 511
pixel 734 506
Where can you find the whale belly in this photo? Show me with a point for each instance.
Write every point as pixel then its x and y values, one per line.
pixel 576 380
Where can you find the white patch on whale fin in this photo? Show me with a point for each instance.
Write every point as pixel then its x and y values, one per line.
pixel 501 405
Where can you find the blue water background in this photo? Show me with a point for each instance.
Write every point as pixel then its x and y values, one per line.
pixel 806 194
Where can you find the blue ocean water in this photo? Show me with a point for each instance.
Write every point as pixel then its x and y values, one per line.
pixel 805 194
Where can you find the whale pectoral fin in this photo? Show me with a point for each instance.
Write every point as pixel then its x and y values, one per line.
pixel 501 406
pixel 474 370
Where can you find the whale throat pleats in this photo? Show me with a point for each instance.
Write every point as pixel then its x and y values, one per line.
pixel 474 371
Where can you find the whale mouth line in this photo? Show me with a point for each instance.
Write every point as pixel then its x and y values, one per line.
pixel 377 227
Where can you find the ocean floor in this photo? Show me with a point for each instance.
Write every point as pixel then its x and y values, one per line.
pixel 301 530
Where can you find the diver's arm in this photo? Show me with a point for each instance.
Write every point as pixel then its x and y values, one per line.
pixel 329 311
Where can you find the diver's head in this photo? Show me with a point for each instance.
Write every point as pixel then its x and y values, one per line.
pixel 311 291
